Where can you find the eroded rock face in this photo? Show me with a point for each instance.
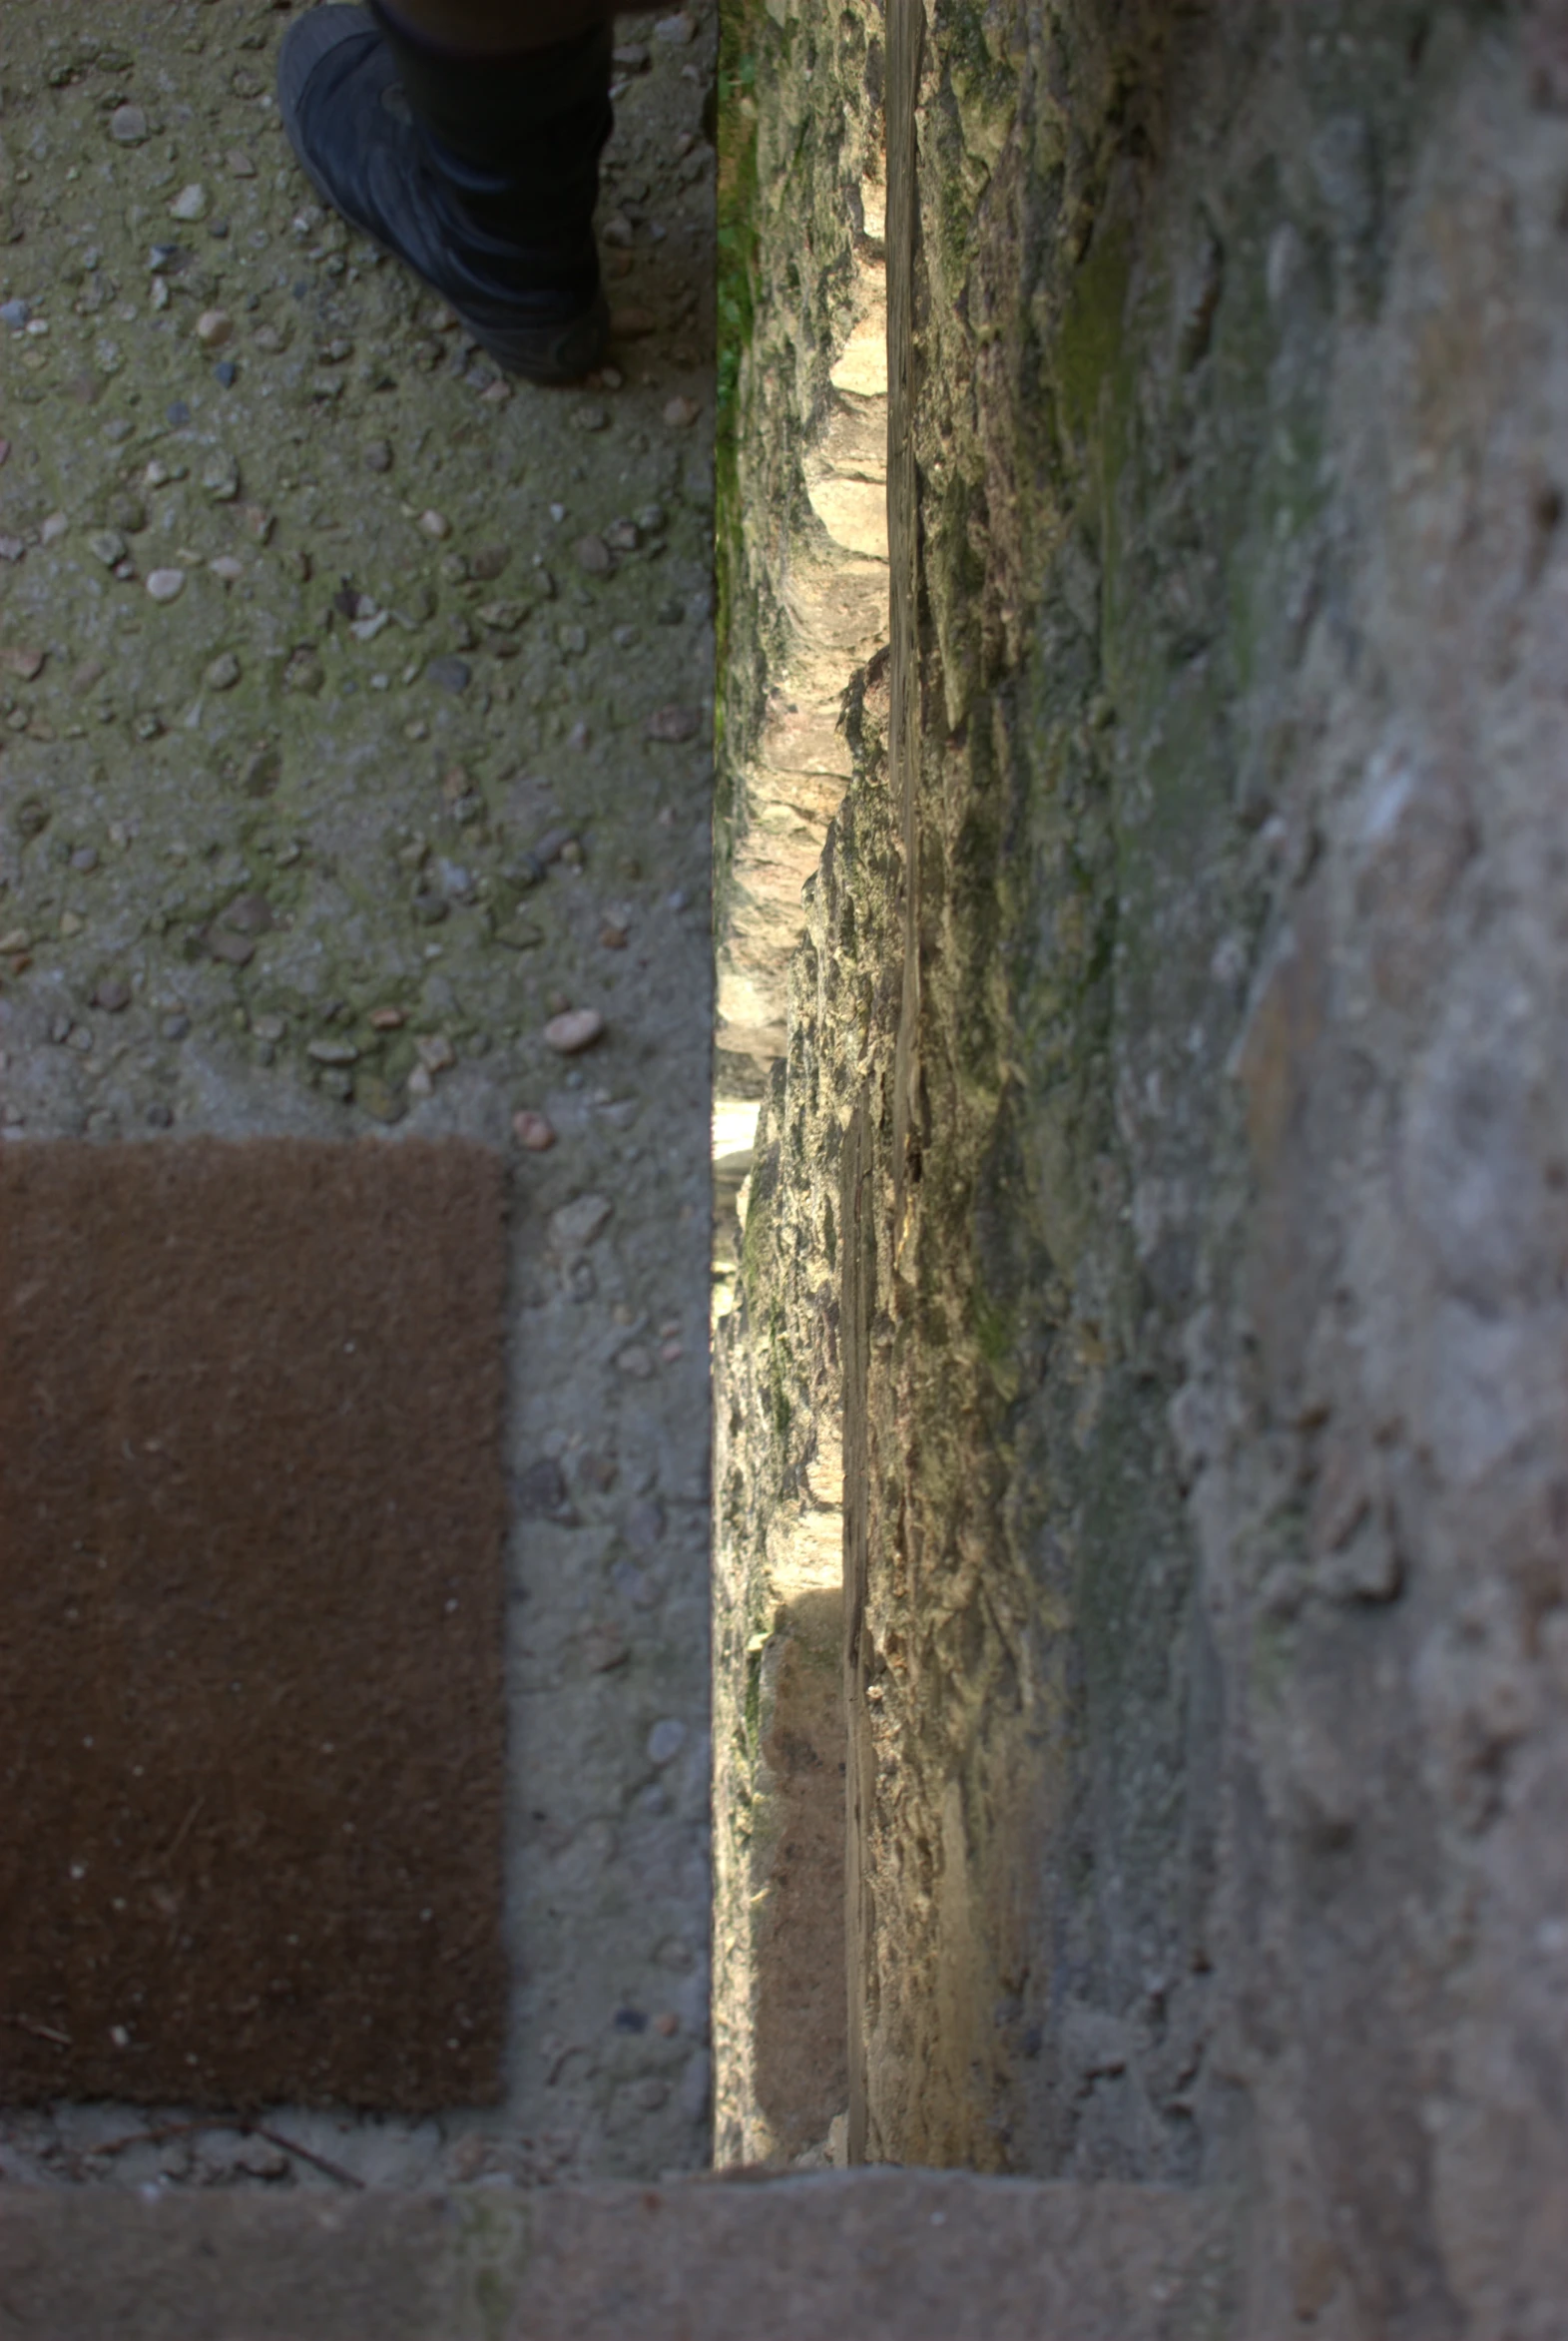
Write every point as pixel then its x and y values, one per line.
pixel 1181 1084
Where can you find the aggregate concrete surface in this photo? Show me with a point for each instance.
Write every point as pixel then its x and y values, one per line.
pixel 355 782
pixel 893 2255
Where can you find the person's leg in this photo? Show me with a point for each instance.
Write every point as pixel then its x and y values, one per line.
pixel 487 28
pixel 477 166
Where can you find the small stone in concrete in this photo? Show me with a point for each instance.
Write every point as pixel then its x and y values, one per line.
pixel 113 994
pixel 674 723
pixel 379 455
pixel 241 164
pixel 533 1131
pixel 249 914
pixel 635 1362
pixel 106 545
pixel 681 412
pixel 226 569
pixel 604 1648
pixel 678 30
pixel 305 672
pixel 574 1030
pixel 191 203
pixel 29 664
pixel 176 1026
pixel 666 1740
pixel 593 555
pixel 332 1052
pixel 435 524
pixel 575 1225
pixel 235 950
pixel 387 1019
pixel 214 327
pixel 631 324
pixel 223 672
pixel 449 674
pixel 85 860
pixel 128 126
pixel 489 561
pixel 166 585
pixel 590 418
pixel 435 1052
pixel 378 1098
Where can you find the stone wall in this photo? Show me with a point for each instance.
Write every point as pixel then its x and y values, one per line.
pixel 1164 1185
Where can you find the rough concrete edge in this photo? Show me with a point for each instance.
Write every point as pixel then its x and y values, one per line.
pixel 891 2255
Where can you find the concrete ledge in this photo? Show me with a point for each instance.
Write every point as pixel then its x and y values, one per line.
pixel 888 2255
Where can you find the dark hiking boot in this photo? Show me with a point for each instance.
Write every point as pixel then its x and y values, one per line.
pixel 480 172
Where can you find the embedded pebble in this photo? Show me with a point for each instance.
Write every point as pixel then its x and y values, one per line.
pixel 241 164
pixel 191 203
pixel 227 568
pixel 107 545
pixel 680 412
pixel 128 126
pixel 235 950
pixel 674 723
pixel 448 674
pixel 387 1019
pixel 435 524
pixel 573 1030
pixel 379 455
pixel 678 30
pixel 590 418
pixel 214 327
pixel 224 673
pixel 113 994
pixel 332 1052
pixel 531 1131
pixel 166 585
pixel 15 313
pixel 593 555
pixel 53 529
pixel 574 1227
pixel 435 1052
pixel 221 477
pixel 29 664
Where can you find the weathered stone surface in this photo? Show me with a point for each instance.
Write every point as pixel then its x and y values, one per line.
pixel 804 593
pixel 1193 1265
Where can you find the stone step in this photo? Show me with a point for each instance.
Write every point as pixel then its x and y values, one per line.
pixel 888 2255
